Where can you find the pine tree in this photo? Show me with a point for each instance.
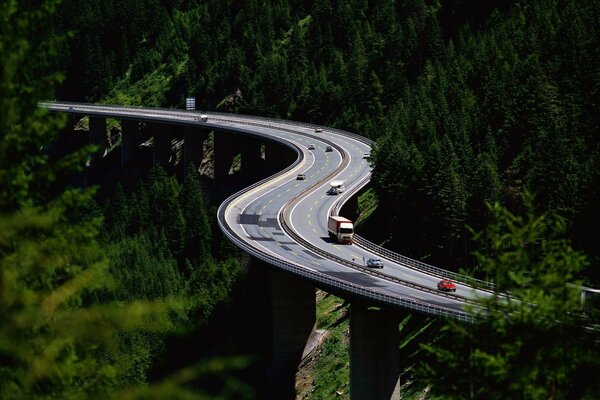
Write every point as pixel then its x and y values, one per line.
pixel 198 235
pixel 534 344
pixel 54 341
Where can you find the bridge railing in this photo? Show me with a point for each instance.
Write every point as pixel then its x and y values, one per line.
pixel 419 265
pixel 436 310
pixel 329 281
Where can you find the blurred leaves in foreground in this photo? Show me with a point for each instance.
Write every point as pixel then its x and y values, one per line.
pixel 536 343
pixel 54 340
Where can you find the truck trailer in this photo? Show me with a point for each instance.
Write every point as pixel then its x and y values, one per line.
pixel 340 229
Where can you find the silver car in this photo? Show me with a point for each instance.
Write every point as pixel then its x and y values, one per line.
pixel 374 263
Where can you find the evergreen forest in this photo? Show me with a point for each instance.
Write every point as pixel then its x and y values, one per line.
pixel 468 101
pixel 484 116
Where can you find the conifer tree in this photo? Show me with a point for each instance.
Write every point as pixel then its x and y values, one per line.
pixel 54 341
pixel 198 235
pixel 534 343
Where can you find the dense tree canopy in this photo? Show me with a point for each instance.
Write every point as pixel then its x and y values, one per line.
pixel 53 341
pixel 80 316
pixel 469 102
pixel 539 342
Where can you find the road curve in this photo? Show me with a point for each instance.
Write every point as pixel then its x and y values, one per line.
pixel 283 221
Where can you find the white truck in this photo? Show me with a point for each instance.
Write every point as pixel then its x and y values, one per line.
pixel 338 185
pixel 341 229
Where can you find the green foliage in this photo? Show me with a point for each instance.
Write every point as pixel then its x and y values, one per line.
pixel 332 366
pixel 492 112
pixel 68 327
pixel 470 102
pixel 160 242
pixel 533 344
pixel 53 342
pixel 198 237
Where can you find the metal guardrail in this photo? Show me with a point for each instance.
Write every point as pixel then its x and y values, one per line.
pixel 360 241
pixel 419 265
pixel 329 281
pixel 185 113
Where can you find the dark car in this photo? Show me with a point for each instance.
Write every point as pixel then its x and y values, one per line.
pixel 374 263
pixel 332 191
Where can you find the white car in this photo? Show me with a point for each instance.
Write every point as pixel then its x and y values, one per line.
pixel 318 130
pixel 300 177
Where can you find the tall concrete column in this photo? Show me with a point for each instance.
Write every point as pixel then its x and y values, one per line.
pixel 374 353
pixel 224 152
pixel 72 120
pixel 68 140
pixel 277 157
pixel 97 136
pixel 131 138
pixel 294 318
pixel 253 165
pixel 163 135
pixel 193 146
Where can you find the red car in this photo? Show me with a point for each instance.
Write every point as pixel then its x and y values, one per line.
pixel 446 285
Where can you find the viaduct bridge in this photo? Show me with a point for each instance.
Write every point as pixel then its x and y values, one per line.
pixel 282 222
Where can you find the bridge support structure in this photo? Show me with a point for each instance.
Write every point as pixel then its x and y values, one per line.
pixel 131 138
pixel 375 363
pixel 225 150
pixel 374 352
pixel 253 165
pixel 193 146
pixel 97 136
pixel 163 135
pixel 294 318
pixel 277 157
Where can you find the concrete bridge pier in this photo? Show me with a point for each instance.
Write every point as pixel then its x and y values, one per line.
pixel 163 135
pixel 193 146
pixel 68 140
pixel 294 318
pixel 131 138
pixel 225 149
pixel 253 165
pixel 277 157
pixel 374 353
pixel 97 136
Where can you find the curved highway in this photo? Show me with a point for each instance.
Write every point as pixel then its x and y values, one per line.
pixel 283 221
